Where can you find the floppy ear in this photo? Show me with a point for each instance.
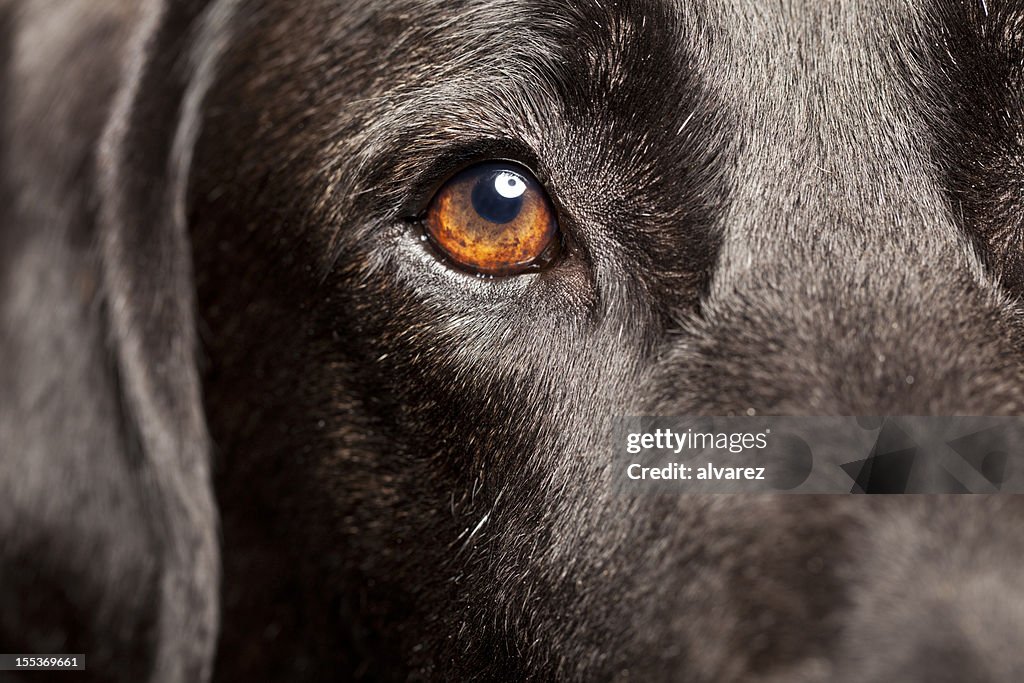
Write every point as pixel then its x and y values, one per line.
pixel 147 276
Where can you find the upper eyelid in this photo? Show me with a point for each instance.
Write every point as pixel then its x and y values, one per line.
pixel 428 179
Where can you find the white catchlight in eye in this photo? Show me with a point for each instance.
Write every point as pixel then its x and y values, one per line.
pixel 509 185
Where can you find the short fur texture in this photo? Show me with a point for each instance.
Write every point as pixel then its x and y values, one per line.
pixel 224 345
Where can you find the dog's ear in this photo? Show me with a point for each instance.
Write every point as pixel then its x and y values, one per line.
pixel 147 276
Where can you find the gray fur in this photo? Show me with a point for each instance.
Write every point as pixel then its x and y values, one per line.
pixel 790 207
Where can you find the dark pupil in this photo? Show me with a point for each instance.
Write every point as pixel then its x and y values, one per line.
pixel 490 205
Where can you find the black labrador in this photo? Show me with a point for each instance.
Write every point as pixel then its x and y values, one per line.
pixel 278 402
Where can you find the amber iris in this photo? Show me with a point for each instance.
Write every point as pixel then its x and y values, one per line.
pixel 495 219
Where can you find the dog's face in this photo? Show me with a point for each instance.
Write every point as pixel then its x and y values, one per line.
pixel 792 208
pixel 785 208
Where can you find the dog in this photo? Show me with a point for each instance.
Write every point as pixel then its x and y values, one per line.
pixel 257 424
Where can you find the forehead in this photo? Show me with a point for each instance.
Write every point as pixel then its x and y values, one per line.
pixel 649 99
pixel 610 58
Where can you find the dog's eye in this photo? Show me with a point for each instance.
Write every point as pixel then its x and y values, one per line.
pixel 494 218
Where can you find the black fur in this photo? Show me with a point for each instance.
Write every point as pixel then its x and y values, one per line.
pixel 790 207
